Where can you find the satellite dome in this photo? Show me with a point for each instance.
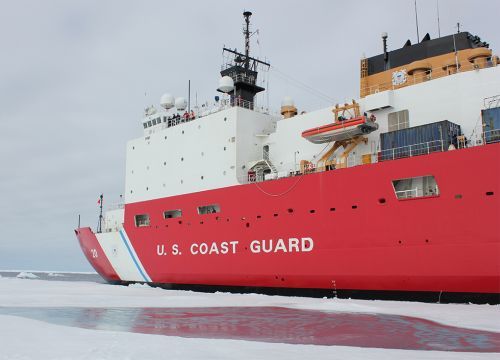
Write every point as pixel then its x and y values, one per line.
pixel 287 101
pixel 167 101
pixel 180 103
pixel 226 84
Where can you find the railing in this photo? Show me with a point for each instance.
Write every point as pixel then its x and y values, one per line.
pixel 244 78
pixel 491 102
pixel 115 206
pixel 491 136
pixel 412 150
pixel 416 192
pixel 293 169
pixel 407 194
pixel 434 73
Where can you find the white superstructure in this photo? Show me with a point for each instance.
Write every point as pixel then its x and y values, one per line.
pixel 216 150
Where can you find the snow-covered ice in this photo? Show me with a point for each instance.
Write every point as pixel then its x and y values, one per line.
pixel 53 274
pixel 23 338
pixel 26 275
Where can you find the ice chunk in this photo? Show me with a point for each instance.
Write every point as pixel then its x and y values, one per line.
pixel 138 285
pixel 26 275
pixel 54 274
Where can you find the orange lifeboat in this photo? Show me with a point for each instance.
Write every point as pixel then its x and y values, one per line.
pixel 340 130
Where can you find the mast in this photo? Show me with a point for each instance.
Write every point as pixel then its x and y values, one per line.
pixel 242 68
pixel 99 224
pixel 246 33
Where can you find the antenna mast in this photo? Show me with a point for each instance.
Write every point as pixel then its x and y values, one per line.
pixel 99 224
pixel 246 32
pixel 439 29
pixel 416 21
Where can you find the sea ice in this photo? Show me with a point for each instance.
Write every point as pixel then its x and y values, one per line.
pixel 77 343
pixel 54 274
pixel 26 275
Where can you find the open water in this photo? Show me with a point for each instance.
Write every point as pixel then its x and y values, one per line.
pixel 267 324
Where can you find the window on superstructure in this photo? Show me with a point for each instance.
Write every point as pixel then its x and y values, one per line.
pixel 145 125
pixel 142 220
pixel 415 187
pixel 150 123
pixel 398 120
pixel 171 214
pixel 209 209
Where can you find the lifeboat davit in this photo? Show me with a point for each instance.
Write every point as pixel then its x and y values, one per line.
pixel 340 130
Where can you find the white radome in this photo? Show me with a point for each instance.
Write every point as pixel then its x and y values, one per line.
pixel 167 101
pixel 287 101
pixel 180 103
pixel 226 84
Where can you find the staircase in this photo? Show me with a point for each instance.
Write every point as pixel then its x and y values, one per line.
pixel 265 156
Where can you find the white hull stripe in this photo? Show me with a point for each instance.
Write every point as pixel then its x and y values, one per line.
pixel 134 257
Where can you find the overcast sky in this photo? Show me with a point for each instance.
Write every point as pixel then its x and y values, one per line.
pixel 75 77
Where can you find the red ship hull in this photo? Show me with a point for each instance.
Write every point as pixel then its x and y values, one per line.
pixel 361 236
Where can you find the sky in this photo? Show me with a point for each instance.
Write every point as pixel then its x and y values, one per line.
pixel 75 77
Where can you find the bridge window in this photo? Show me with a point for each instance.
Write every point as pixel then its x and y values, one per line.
pixel 170 214
pixel 209 209
pixel 142 220
pixel 415 187
pixel 398 120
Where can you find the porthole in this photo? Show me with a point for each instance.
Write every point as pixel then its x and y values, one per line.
pixel 202 153
pixel 332 209
pixel 381 201
pixel 131 192
pixel 458 196
pixel 182 159
pixel 182 132
pixel 490 193
pixel 225 119
pixel 354 207
pixel 165 138
pixel 275 215
pixel 224 148
pixel 290 210
pixel 182 181
pixel 201 177
pixel 258 216
pixel 147 188
pixel 312 211
pixel 133 147
pixel 164 163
